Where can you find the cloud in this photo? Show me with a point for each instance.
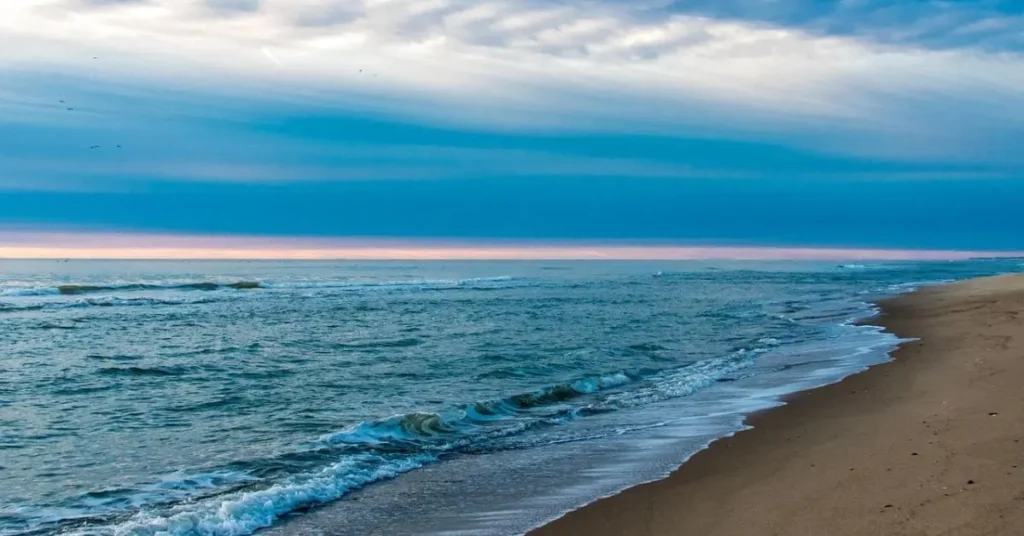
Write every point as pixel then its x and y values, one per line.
pixel 234 6
pixel 101 3
pixel 734 121
pixel 145 136
pixel 835 77
pixel 936 24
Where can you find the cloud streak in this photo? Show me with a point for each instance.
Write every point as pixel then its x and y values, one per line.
pixel 990 25
pixel 535 65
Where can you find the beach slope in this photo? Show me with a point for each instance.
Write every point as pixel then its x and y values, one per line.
pixel 929 444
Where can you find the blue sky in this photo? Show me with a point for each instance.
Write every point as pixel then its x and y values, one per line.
pixel 856 123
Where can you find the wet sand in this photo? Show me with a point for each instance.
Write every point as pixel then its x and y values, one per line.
pixel 929 444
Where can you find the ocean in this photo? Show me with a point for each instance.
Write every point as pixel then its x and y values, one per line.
pixel 225 398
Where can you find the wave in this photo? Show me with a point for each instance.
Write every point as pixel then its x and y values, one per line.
pixel 10 307
pixel 101 301
pixel 261 491
pixel 458 426
pixel 208 286
pixel 48 326
pixel 141 371
pixel 72 290
pixel 77 290
pixel 113 301
pixel 646 347
pixel 423 284
pixel 242 513
pixel 397 343
pixel 462 425
pixel 28 291
pixel 114 357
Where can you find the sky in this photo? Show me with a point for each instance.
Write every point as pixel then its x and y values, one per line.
pixel 650 125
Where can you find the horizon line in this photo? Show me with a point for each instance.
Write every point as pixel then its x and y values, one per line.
pixel 506 259
pixel 24 244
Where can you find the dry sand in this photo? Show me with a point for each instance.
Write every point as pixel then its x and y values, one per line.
pixel 929 444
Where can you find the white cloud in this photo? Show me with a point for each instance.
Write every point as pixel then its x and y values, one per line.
pixel 530 64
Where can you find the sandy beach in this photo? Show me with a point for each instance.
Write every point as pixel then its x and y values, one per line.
pixel 929 444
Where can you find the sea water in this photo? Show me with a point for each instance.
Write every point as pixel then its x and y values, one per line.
pixel 222 398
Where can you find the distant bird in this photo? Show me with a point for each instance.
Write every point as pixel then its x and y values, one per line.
pixel 95 58
pixel 118 146
pixel 62 102
pixel 360 70
pixel 95 147
pixel 71 109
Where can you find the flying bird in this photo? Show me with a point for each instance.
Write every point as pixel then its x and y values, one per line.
pixel 95 147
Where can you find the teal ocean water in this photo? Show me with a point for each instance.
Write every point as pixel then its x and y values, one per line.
pixel 224 398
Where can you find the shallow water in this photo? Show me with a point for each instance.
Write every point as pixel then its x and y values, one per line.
pixel 222 398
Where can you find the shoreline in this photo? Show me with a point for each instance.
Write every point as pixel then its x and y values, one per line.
pixel 904 447
pixel 486 508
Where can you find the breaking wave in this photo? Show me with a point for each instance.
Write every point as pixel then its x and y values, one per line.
pixel 73 290
pixel 208 286
pixel 249 495
pixel 415 284
pixel 77 290
pixel 102 301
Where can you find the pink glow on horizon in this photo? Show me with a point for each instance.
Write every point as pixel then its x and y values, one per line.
pixel 43 245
